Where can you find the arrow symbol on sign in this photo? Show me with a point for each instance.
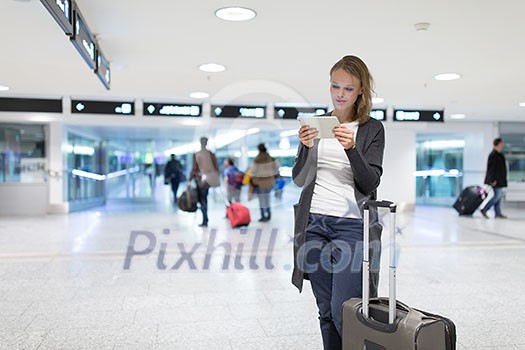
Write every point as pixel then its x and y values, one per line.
pixel 218 111
pixel 281 113
pixel 80 107
pixel 151 109
pixel 437 116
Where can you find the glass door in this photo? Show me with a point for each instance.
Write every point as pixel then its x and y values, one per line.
pixel 439 169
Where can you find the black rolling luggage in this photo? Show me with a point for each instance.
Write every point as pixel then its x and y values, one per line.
pixel 387 324
pixel 470 199
pixel 188 200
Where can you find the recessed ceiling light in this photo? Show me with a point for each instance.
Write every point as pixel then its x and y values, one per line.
pixel 235 14
pixel 212 67
pixel 4 88
pixel 422 26
pixel 199 94
pixel 458 116
pixel 378 100
pixel 522 104
pixel 447 76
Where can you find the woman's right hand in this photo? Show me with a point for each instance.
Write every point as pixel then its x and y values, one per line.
pixel 307 135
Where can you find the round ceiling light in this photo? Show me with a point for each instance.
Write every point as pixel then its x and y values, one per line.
pixel 4 88
pixel 447 76
pixel 199 94
pixel 235 14
pixel 378 100
pixel 212 68
pixel 458 116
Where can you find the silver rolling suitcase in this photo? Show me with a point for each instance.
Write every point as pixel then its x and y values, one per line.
pixel 387 324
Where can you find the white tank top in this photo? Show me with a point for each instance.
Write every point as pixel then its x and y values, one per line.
pixel 334 192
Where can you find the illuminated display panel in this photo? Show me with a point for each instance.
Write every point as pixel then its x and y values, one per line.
pixel 172 109
pixel 83 40
pixel 103 70
pixel 378 114
pixel 228 111
pixel 291 112
pixel 102 107
pixel 410 115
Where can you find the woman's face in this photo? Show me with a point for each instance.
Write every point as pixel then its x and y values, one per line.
pixel 344 89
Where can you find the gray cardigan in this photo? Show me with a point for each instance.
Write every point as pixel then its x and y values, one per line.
pixel 366 160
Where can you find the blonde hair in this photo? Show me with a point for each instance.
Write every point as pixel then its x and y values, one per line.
pixel 355 66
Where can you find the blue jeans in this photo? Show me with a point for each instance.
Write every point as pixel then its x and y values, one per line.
pixel 264 200
pixel 495 201
pixel 333 251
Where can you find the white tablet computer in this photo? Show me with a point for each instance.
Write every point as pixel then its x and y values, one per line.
pixel 324 125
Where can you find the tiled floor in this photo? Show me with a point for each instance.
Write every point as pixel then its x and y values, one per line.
pixel 63 284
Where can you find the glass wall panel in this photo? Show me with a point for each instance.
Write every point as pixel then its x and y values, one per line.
pixel 22 153
pixel 439 170
pixel 85 159
pixel 515 155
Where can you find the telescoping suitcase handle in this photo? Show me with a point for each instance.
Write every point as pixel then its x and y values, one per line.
pixel 366 258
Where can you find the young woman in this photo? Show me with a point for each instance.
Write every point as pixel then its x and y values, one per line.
pixel 337 175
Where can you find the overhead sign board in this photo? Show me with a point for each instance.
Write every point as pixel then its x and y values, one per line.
pixel 30 105
pixel 172 109
pixel 103 70
pixel 410 115
pixel 291 112
pixel 83 40
pixel 228 111
pixel 378 114
pixel 102 107
pixel 62 12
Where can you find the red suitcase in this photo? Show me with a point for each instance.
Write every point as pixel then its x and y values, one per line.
pixel 238 214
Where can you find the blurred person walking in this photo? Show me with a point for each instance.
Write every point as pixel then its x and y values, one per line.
pixel 263 172
pixel 174 175
pixel 205 172
pixel 496 177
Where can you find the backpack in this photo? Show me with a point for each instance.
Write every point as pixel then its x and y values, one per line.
pixel 238 176
pixel 188 200
pixel 235 177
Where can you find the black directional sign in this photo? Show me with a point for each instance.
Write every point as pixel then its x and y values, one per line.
pixel 410 115
pixel 83 40
pixel 102 107
pixel 103 71
pixel 379 114
pixel 8 104
pixel 291 112
pixel 172 109
pixel 228 111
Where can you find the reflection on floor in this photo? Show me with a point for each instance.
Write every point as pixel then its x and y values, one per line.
pixel 65 282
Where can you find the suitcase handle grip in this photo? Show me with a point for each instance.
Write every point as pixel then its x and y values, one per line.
pixel 366 257
pixel 380 204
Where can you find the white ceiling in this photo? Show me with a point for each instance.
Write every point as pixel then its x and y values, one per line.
pixel 283 55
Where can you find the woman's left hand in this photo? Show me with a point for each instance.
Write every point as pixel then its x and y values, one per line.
pixel 345 136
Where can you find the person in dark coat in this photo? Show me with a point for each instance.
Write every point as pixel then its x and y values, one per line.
pixel 338 175
pixel 173 175
pixel 496 177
